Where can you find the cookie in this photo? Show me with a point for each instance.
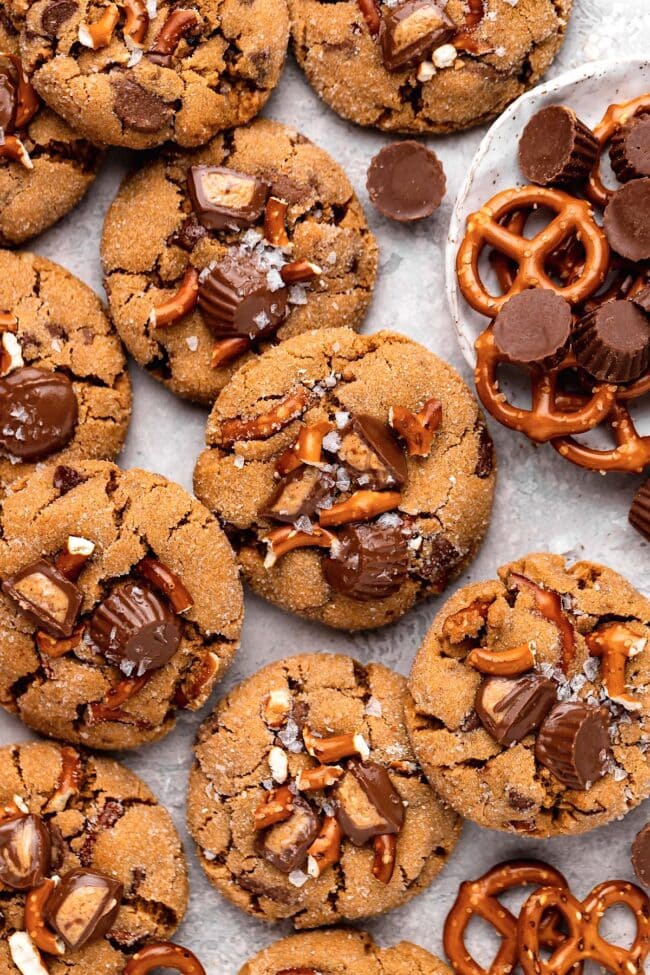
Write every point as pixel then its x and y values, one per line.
pixel 211 227
pixel 342 952
pixel 120 604
pixel 305 801
pixel 98 827
pixel 137 75
pixel 64 387
pixel 354 474
pixel 45 167
pixel 543 728
pixel 425 65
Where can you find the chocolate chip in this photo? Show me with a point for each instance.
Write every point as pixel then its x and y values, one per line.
pixel 613 343
pixel 370 562
pixel 138 108
pixel 640 510
pixel 285 845
pixel 435 560
pixel 38 413
pixel 641 855
pixel 46 597
pixel 534 327
pixel 135 629
pixel 367 803
pixel 372 453
pixel 8 100
pixel 298 494
pixel 627 220
pixel 25 852
pixel 237 302
pixel 83 907
pixel 511 709
pixel 573 744
pixel 410 31
pixel 66 478
pixel 56 13
pixel 485 458
pixel 223 198
pixel 629 150
pixel 188 235
pixel 556 148
pixel 406 181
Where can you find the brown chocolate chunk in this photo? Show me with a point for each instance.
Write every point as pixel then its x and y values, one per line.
pixel 627 220
pixel 534 327
pixel 55 15
pixel 38 413
pixel 573 744
pixel 135 629
pixel 8 101
pixel 25 852
pixel 84 906
pixel 370 562
pixel 639 515
pixel 372 453
pixel 511 709
pixel 435 559
pixel 367 803
pixel 556 148
pixel 410 31
pixel 138 108
pixel 188 234
pixel 46 597
pixel 613 342
pixel 406 181
pixel 66 478
pixel 285 845
pixel 629 150
pixel 485 459
pixel 299 493
pixel 641 855
pixel 224 199
pixel 237 302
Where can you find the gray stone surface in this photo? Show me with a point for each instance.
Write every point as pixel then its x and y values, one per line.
pixel 542 502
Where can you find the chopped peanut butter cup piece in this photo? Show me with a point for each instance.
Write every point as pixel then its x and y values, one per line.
pixel 286 844
pixel 367 804
pixel 225 199
pixel 410 31
pixel 372 453
pixel 573 744
pixel 369 562
pixel 84 907
pixel 46 597
pixel 511 709
pixel 640 510
pixel 25 852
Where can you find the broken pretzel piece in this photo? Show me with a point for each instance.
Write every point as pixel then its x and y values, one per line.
pixel 549 604
pixel 502 663
pixel 68 782
pixel 264 425
pixel 276 708
pixel 298 272
pixel 179 304
pixel 466 622
pixel 179 23
pixel 12 148
pixel 164 954
pixel 276 807
pixel 74 556
pixel 167 582
pixel 336 747
pixel 615 644
pixel 226 350
pixel 100 33
pixel 286 539
pixel 319 777
pixel 35 924
pixel 325 851
pixel 53 647
pixel 275 215
pixel 111 708
pixel 417 429
pixel 360 506
pixel 385 847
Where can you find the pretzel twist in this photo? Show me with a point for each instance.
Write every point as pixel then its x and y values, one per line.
pixel 614 117
pixel 573 218
pixel 584 941
pixel 631 453
pixel 164 954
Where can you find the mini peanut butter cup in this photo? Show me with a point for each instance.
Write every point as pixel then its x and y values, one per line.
pixel 534 327
pixel 613 343
pixel 641 855
pixel 629 151
pixel 573 744
pixel 639 515
pixel 406 181
pixel 236 300
pixel 556 148
pixel 627 220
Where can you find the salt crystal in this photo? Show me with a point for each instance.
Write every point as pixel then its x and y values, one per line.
pixel 297 295
pixel 298 878
pixel 274 280
pixel 192 342
pixel 341 419
pixel 331 442
pixel 373 708
pixel 239 461
pixel 389 520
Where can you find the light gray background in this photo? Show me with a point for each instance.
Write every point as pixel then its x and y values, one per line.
pixel 542 502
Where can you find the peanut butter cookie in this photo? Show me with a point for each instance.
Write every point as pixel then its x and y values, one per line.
pixel 120 604
pixel 355 475
pixel 425 65
pixel 92 866
pixel 530 707
pixel 45 167
pixel 209 256
pixel 305 801
pixel 64 386
pixel 138 74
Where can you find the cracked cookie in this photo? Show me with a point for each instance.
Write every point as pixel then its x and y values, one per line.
pixel 45 167
pixel 354 474
pixel 543 728
pixel 120 604
pixel 91 866
pixel 210 256
pixel 305 801
pixel 425 65
pixel 138 74
pixel 342 952
pixel 64 387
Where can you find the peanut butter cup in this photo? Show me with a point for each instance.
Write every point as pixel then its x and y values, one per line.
pixel 639 515
pixel 613 342
pixel 627 220
pixel 629 150
pixel 641 855
pixel 534 327
pixel 406 181
pixel 573 744
pixel 556 148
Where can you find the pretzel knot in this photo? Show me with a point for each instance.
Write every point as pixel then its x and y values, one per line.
pixel 574 218
pixel 164 954
pixel 546 419
pixel 615 116
pixel 584 940
pixel 480 898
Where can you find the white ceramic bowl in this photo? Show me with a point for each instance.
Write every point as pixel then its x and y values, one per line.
pixel 588 90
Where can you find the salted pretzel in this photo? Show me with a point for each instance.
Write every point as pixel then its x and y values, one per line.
pixel 485 227
pixel 546 419
pixel 479 898
pixel 583 941
pixel 614 117
pixel 164 954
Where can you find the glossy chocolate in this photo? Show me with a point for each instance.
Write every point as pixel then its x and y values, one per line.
pixel 285 845
pixel 225 199
pixel 46 597
pixel 406 181
pixel 511 709
pixel 627 220
pixel 613 342
pixel 84 907
pixel 8 102
pixel 411 30
pixel 573 744
pixel 135 629
pixel 367 803
pixel 534 327
pixel 38 413
pixel 556 148
pixel 237 302
pixel 298 494
pixel 370 562
pixel 25 852
pixel 371 452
